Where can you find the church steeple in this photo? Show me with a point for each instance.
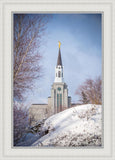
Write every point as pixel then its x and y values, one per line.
pixel 59 68
pixel 59 93
pixel 59 60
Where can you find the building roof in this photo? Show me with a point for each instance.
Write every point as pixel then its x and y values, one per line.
pixel 59 60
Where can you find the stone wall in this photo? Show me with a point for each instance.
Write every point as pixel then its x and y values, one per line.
pixel 37 112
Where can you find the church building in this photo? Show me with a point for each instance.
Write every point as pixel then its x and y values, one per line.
pixel 59 99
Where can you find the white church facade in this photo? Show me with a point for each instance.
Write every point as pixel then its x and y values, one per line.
pixel 59 99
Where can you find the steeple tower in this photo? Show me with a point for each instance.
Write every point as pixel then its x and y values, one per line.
pixel 59 68
pixel 59 99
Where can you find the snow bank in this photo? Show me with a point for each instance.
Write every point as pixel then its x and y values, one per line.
pixel 77 126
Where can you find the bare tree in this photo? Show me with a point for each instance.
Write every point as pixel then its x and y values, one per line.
pixel 27 33
pixel 20 121
pixel 84 98
pixel 90 91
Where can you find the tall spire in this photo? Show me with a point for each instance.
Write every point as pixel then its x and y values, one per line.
pixel 59 60
pixel 59 68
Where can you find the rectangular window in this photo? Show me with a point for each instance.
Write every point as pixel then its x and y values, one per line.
pixel 59 102
pixel 60 99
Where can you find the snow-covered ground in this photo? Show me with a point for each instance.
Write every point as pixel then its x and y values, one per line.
pixel 77 126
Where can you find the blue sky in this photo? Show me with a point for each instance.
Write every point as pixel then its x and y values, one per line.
pixel 81 51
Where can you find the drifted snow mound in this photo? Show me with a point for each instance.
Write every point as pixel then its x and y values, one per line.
pixel 77 126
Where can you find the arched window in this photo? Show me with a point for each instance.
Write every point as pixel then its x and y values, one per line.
pixel 59 74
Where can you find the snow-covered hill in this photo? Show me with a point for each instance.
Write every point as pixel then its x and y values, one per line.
pixel 77 126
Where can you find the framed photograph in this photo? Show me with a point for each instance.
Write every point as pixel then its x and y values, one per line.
pixel 57 80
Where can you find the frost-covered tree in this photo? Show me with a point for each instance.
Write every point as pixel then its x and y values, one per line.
pixel 90 91
pixel 84 99
pixel 28 31
pixel 20 121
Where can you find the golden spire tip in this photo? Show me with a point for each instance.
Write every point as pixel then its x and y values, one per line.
pixel 59 43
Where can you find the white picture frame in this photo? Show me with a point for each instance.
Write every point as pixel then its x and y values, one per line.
pixel 105 6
